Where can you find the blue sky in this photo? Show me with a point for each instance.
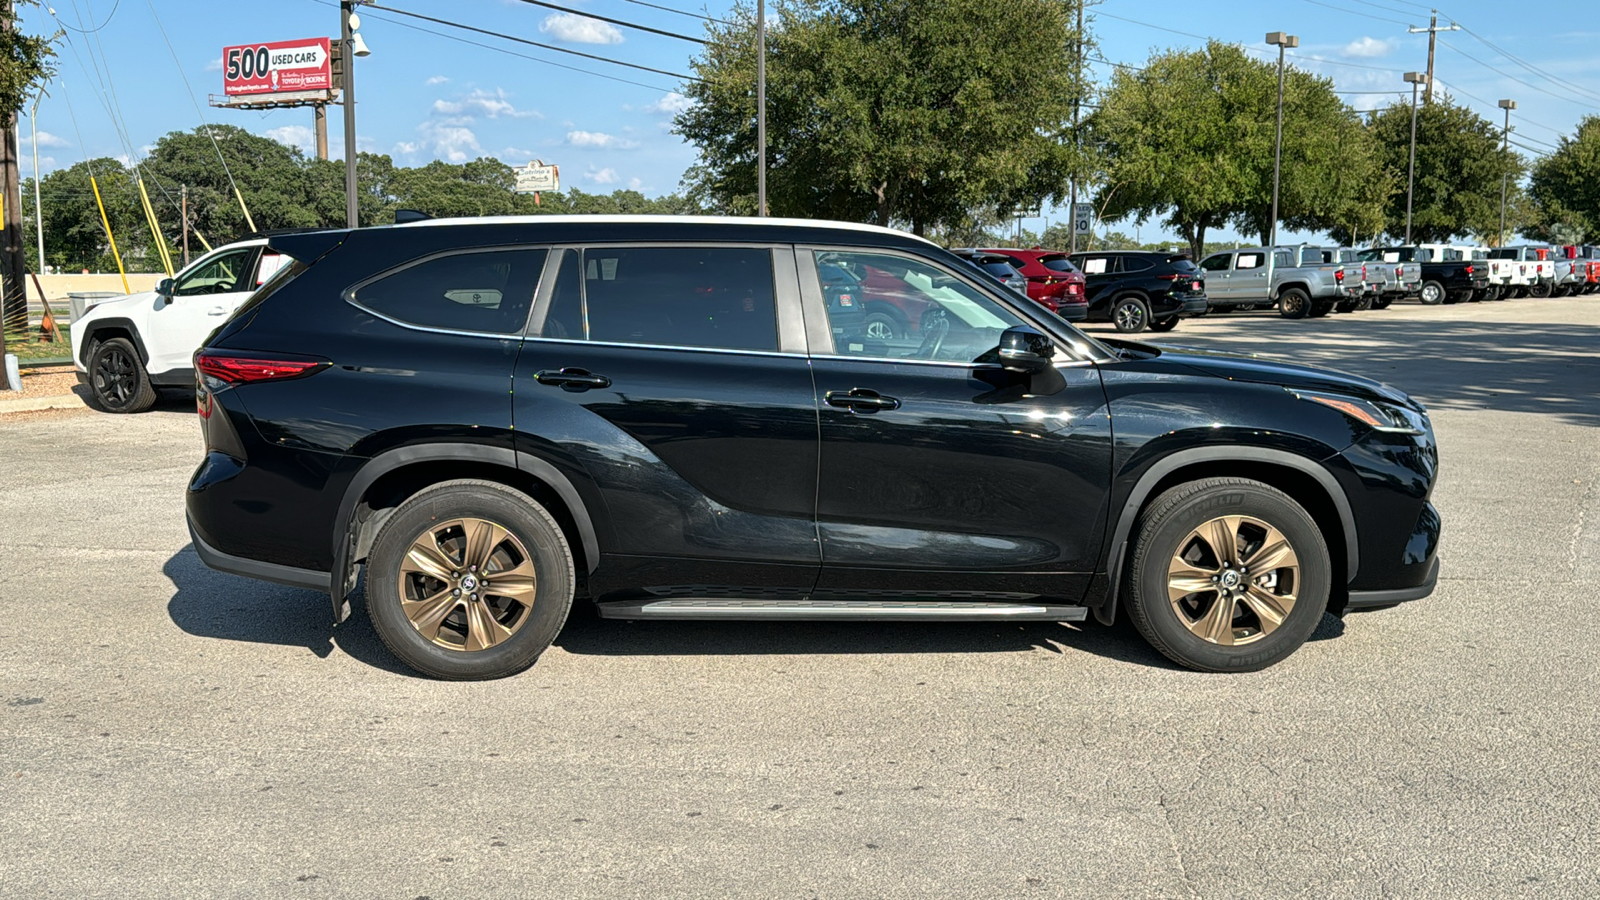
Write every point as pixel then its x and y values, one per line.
pixel 423 96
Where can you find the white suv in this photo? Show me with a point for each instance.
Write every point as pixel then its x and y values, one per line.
pixel 126 347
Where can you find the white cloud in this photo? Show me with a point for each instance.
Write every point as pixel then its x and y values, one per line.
pixel 671 103
pixel 439 79
pixel 575 29
pixel 634 183
pixel 215 65
pixel 513 153
pixel 602 176
pixel 599 139
pixel 46 139
pixel 446 140
pixel 489 104
pixel 295 136
pixel 1368 48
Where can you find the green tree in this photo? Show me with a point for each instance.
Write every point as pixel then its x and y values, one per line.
pixel 1459 167
pixel 1191 137
pixel 888 111
pixel 26 64
pixel 1566 187
pixel 75 239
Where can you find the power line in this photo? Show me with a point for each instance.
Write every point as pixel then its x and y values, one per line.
pixel 1348 65
pixel 1531 68
pixel 679 12
pixel 1503 74
pixel 625 24
pixel 109 15
pixel 507 37
pixel 1355 12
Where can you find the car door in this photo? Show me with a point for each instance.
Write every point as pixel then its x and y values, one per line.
pixel 1219 280
pixel 202 298
pixel 670 381
pixel 1100 274
pixel 1251 278
pixel 941 474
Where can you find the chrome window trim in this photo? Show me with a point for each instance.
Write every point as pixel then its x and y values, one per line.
pixel 579 341
pixel 349 293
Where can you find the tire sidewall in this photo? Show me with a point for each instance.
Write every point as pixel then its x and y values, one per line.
pixel 1160 623
pixel 1432 289
pixel 141 379
pixel 553 565
pixel 1142 313
pixel 1294 304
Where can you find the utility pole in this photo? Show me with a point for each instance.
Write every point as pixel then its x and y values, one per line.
pixel 38 210
pixel 321 129
pixel 1077 141
pixel 1508 106
pixel 13 260
pixel 1433 30
pixel 183 194
pixel 1283 42
pixel 1414 79
pixel 346 46
pixel 761 108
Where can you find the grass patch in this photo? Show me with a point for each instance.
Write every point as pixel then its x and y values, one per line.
pixel 32 346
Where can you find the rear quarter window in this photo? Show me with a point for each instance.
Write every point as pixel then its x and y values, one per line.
pixel 1136 264
pixel 487 291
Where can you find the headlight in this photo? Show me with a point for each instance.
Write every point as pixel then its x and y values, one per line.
pixel 1376 415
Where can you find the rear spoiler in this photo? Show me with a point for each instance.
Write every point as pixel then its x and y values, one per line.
pixel 307 246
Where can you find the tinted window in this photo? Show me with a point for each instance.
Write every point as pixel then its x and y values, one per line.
pixel 488 291
pixel 680 296
pixel 1136 264
pixel 1058 264
pixel 565 318
pixel 1182 264
pixel 1000 270
pixel 1217 263
pixel 910 309
pixel 222 274
pixel 1282 258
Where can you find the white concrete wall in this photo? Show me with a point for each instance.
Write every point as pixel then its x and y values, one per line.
pixel 56 287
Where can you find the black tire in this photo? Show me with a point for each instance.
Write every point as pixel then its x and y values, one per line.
pixel 118 381
pixel 883 326
pixel 1496 293
pixel 1130 314
pixel 1164 325
pixel 1294 303
pixel 1382 302
pixel 1166 527
pixel 1365 303
pixel 1345 306
pixel 1320 308
pixel 533 624
pixel 1541 290
pixel 1433 293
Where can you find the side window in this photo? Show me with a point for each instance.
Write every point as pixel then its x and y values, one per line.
pixel 269 266
pixel 565 318
pixel 906 308
pixel 222 274
pixel 1136 264
pixel 1283 259
pixel 488 291
pixel 1096 265
pixel 1217 263
pixel 720 297
pixel 1245 261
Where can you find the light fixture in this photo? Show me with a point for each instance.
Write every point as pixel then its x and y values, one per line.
pixel 358 46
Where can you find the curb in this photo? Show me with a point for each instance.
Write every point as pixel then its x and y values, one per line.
pixel 31 404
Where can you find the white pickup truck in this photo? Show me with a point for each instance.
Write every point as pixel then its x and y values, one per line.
pixel 127 347
pixel 1534 272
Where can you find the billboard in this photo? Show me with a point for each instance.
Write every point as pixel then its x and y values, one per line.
pixel 277 67
pixel 536 177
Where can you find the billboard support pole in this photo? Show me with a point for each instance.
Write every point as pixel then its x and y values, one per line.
pixel 351 210
pixel 321 129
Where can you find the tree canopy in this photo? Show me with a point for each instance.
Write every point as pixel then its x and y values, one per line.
pixel 909 112
pixel 1460 164
pixel 1566 186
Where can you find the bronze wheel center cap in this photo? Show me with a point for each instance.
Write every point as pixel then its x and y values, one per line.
pixel 469 582
pixel 1230 579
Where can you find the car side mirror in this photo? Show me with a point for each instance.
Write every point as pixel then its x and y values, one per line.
pixel 164 288
pixel 1026 351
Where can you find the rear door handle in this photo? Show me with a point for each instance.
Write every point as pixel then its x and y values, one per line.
pixel 860 400
pixel 572 379
pixel 216 311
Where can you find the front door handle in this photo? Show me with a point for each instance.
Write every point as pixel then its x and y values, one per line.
pixel 572 378
pixel 860 400
pixel 216 311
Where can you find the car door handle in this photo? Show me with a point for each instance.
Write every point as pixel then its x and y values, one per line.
pixel 572 379
pixel 216 311
pixel 860 400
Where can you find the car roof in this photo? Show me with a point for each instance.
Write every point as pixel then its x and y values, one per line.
pixel 745 221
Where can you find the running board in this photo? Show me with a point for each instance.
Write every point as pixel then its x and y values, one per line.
pixel 855 610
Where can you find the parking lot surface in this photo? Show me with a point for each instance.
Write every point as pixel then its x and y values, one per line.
pixel 172 731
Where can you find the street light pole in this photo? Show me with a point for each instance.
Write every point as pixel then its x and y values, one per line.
pixel 38 211
pixel 347 51
pixel 1414 79
pixel 1283 42
pixel 761 107
pixel 1508 106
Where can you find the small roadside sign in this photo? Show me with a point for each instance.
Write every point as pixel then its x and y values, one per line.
pixel 1082 218
pixel 536 177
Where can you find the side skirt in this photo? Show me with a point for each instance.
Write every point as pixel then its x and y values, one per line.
pixel 840 610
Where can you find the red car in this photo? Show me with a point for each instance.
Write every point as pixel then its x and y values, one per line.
pixel 1053 281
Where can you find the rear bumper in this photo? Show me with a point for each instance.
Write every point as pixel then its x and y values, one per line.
pixel 252 568
pixel 1195 306
pixel 1073 312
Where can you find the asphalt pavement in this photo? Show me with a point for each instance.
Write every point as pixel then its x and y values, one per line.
pixel 170 731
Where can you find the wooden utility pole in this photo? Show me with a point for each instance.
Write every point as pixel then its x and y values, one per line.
pixel 183 193
pixel 13 261
pixel 321 129
pixel 1433 30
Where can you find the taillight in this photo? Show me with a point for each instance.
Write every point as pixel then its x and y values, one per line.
pixel 1338 275
pixel 1196 286
pixel 1074 288
pixel 1469 270
pixel 1400 273
pixel 231 369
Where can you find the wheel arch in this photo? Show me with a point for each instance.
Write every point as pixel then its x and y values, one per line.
pixel 388 479
pixel 108 328
pixel 1302 478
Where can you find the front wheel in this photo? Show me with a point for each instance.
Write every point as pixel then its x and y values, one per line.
pixel 117 378
pixel 1130 315
pixel 1294 304
pixel 469 580
pixel 1227 575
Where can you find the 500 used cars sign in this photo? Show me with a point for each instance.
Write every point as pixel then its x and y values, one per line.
pixel 277 67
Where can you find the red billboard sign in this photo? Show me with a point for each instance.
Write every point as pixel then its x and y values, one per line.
pixel 277 67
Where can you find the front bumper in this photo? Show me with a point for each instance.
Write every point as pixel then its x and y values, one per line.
pixel 1377 599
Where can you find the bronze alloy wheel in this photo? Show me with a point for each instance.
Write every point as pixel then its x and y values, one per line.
pixel 467 584
pixel 1233 580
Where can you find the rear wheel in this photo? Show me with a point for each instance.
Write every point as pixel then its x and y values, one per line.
pixel 1382 302
pixel 1432 293
pixel 1320 308
pixel 469 580
pixel 117 378
pixel 1294 304
pixel 1541 290
pixel 881 326
pixel 1166 324
pixel 1130 314
pixel 1227 575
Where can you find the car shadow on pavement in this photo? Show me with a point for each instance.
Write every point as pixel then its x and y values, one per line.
pixel 1501 366
pixel 212 604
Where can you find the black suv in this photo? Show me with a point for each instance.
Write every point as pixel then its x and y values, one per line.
pixel 682 419
pixel 1138 289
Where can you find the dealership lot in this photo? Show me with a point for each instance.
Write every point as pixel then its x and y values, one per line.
pixel 172 731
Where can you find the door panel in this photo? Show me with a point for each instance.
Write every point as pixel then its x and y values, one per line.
pixel 203 298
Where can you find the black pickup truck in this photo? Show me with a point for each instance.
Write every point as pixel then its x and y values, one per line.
pixel 1448 273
